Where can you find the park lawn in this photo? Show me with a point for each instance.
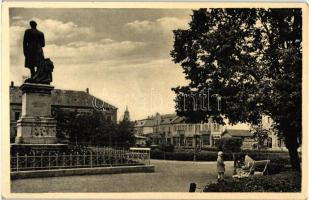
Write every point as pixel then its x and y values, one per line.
pixel 169 176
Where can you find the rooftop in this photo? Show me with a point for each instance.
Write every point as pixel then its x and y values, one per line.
pixel 238 133
pixel 65 98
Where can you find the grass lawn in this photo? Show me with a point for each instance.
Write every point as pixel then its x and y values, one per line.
pixel 169 176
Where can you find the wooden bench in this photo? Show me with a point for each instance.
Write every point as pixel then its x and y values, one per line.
pixel 257 168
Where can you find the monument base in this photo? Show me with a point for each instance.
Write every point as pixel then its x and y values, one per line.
pixel 36 130
pixel 36 125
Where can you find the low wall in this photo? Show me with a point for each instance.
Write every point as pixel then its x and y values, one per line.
pixel 82 171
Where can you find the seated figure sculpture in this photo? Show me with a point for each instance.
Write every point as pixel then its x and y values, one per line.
pixel 40 68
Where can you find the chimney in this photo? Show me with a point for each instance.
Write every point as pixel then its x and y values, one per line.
pixel 87 90
pixel 12 83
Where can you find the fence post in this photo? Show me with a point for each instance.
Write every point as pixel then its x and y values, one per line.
pixel 48 160
pixel 34 163
pixel 63 159
pixel 17 161
pixel 70 159
pixel 121 157
pixel 84 159
pixel 77 157
pixel 41 160
pixel 110 157
pixel 97 159
pixel 91 159
pixel 127 156
pixel 26 160
pixel 56 160
pixel 149 157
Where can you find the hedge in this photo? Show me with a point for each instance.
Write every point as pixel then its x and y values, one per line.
pixel 289 181
pixel 212 155
pixel 278 163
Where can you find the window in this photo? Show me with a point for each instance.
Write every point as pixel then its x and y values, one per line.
pixel 17 115
pixel 206 139
pixel 109 118
pixel 269 142
pixel 189 141
pixel 197 127
pixel 182 139
pixel 215 140
pixel 176 141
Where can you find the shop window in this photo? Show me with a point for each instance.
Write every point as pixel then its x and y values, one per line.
pixel 206 139
pixel 189 141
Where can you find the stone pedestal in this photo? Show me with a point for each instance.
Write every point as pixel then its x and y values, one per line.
pixel 36 125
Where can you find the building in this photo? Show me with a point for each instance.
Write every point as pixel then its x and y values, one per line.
pixel 273 142
pixel 172 129
pixel 126 115
pixel 71 100
pixel 245 135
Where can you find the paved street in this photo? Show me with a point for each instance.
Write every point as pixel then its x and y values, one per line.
pixel 169 176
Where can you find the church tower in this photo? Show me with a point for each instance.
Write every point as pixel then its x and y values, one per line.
pixel 126 116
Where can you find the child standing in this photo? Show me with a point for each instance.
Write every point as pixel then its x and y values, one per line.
pixel 220 166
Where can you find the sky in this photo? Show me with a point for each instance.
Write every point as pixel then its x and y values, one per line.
pixel 121 55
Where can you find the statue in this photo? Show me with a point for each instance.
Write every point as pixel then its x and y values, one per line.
pixel 40 68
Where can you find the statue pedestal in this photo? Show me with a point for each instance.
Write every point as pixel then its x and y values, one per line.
pixel 36 125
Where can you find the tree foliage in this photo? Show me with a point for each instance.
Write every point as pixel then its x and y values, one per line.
pixel 228 145
pixel 261 136
pixel 251 59
pixel 92 128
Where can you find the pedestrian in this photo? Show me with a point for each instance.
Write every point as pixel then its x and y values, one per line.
pixel 220 166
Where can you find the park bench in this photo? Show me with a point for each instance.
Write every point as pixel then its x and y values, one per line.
pixel 257 168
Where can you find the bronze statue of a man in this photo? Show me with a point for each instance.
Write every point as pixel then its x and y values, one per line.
pixel 33 47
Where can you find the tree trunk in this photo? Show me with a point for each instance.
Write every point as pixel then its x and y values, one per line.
pixel 294 158
pixel 292 145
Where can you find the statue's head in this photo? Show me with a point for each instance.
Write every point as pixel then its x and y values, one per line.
pixel 33 24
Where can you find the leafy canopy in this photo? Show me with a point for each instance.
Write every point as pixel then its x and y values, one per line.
pixel 250 58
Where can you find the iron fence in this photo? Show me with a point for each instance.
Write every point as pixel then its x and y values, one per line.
pixel 106 157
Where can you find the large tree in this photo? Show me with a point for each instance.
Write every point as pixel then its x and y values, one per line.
pixel 251 59
pixel 93 128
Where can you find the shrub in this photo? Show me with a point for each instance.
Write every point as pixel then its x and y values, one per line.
pixel 230 144
pixel 277 163
pixel 289 181
pixel 167 147
pixel 188 155
pixel 210 149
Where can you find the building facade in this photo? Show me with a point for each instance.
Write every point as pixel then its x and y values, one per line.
pixel 70 100
pixel 273 142
pixel 248 142
pixel 172 129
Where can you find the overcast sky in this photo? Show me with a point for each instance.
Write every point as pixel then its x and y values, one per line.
pixel 121 55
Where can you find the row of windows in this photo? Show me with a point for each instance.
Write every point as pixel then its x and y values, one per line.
pixel 206 127
pixel 188 141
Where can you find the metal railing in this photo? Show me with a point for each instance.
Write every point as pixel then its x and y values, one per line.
pixel 105 158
